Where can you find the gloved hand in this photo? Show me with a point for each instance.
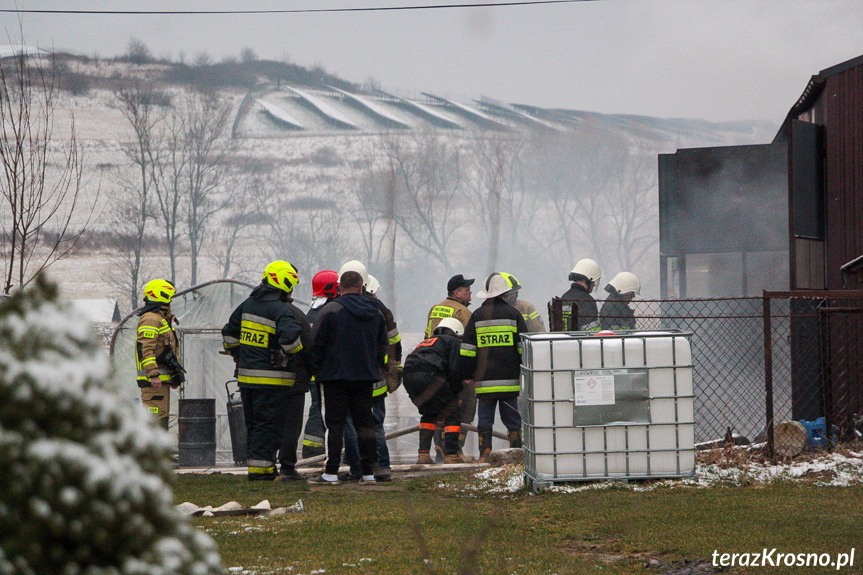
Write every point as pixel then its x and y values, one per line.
pixel 394 378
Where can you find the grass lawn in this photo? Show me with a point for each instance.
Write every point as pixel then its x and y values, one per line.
pixel 442 525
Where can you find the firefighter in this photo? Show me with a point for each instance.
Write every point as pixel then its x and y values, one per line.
pixel 527 310
pixel 584 277
pixel 325 288
pixel 433 381
pixel 455 305
pixel 268 342
pixel 616 313
pixel 392 374
pixel 491 352
pixel 156 350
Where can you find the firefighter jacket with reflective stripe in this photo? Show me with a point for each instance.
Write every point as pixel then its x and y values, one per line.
pixel 265 335
pixel 616 314
pixel 394 348
pixel 491 349
pixel 302 367
pixel 450 307
pixel 349 341
pixel 588 316
pixel 155 335
pixel 440 355
pixel 531 317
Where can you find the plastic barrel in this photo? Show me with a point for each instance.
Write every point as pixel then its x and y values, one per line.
pixel 197 432
pixel 817 432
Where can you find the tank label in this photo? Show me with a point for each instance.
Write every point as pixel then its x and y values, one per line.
pixel 611 396
pixel 594 388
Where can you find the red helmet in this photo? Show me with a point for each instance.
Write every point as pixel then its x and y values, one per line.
pixel 325 284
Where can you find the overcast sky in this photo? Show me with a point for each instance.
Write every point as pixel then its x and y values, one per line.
pixel 711 59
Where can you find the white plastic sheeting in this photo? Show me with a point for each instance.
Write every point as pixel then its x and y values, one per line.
pixel 201 311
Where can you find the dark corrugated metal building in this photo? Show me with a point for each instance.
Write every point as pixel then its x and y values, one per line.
pixel 824 134
pixel 783 216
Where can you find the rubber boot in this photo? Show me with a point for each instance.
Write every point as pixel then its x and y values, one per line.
pixel 462 437
pixel 438 445
pixel 484 444
pixel 450 443
pixel 514 438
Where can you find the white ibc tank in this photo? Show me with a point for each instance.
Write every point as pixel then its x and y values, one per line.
pixel 607 406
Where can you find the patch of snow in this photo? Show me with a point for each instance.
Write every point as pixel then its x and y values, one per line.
pixel 829 469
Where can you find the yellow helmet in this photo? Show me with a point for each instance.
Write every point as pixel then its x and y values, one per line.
pixel 159 291
pixel 282 275
pixel 512 280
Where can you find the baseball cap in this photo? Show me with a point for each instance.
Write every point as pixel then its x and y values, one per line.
pixel 458 281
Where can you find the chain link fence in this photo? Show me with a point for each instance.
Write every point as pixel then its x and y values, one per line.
pixel 814 363
pixel 764 360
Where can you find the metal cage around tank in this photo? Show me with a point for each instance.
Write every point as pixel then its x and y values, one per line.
pixel 615 406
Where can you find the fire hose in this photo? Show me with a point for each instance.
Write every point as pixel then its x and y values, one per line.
pixel 393 435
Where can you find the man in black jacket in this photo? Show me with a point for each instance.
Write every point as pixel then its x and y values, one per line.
pixel 491 352
pixel 348 354
pixel 433 381
pixel 265 337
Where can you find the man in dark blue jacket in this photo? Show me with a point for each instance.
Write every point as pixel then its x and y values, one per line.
pixel 348 354
pixel 265 336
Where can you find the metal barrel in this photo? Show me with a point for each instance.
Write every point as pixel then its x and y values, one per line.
pixel 197 432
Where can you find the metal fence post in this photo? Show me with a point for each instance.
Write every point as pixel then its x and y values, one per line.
pixel 768 372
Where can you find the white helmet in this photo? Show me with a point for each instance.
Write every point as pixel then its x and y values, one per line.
pixel 355 266
pixel 624 283
pixel 453 324
pixel 494 286
pixel 373 285
pixel 586 268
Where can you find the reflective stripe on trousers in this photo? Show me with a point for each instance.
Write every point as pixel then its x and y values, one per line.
pixel 497 386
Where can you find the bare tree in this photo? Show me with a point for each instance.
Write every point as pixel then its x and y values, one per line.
pixel 633 206
pixel 41 178
pixel 132 205
pixel 247 55
pixel 202 59
pixel 308 230
pixel 205 152
pixel 138 52
pixel 169 183
pixel 495 187
pixel 425 172
pixel 573 172
pixel 367 185
pixel 130 210
pixel 249 209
